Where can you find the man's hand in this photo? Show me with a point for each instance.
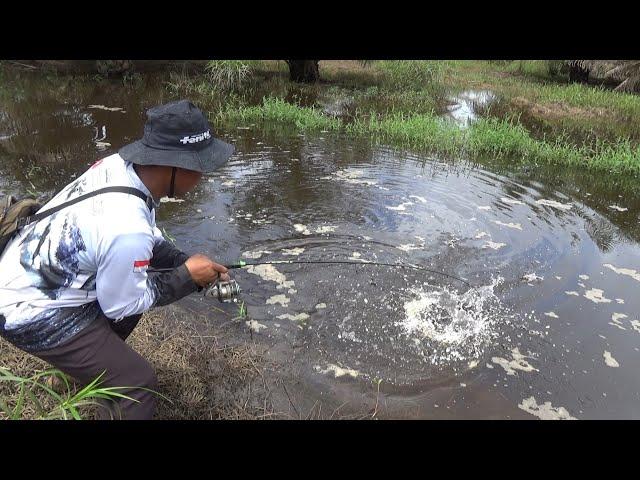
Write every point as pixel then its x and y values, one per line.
pixel 205 271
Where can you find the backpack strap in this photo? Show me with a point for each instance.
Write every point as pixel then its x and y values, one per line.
pixel 24 221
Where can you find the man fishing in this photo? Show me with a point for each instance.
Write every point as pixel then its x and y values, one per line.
pixel 73 285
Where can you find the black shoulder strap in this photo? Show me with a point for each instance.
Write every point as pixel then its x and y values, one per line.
pixel 118 189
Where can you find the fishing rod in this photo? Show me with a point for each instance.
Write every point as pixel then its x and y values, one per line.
pixel 228 291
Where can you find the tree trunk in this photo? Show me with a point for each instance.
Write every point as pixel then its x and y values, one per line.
pixel 305 71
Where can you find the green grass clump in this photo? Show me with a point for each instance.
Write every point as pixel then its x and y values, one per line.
pixel 34 394
pixel 277 110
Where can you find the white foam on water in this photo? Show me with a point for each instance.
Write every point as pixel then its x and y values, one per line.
pixel 572 292
pixel 494 245
pixel 456 325
pixel 481 235
pixel 409 246
pixel 551 314
pixel 515 226
pixel 531 277
pixel 300 228
pixel 636 325
pixel 583 277
pixel 554 204
pixel 558 277
pixel 609 360
pixel 292 251
pixel 624 271
pixel 512 201
pixel 228 183
pixel 401 207
pixel 620 209
pixel 269 272
pixel 255 254
pixel 281 299
pixel 518 362
pixel 544 411
pixel 295 318
pixel 337 371
pixel 321 305
pixel 351 176
pixel 420 199
pixel 596 296
pixel 619 300
pixel 326 229
pixel 485 207
pixel 254 325
pixel 171 200
pixel 109 109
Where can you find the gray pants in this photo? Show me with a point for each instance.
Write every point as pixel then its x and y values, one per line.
pixel 101 347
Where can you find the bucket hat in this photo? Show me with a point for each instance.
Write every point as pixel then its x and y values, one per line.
pixel 177 134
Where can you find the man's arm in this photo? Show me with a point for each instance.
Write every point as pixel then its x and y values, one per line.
pixel 165 254
pixel 122 284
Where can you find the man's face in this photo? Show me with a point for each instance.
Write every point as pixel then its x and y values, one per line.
pixel 186 180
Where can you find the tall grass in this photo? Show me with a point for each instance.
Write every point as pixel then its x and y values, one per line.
pixel 230 74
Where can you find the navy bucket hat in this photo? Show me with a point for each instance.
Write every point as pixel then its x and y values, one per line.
pixel 178 134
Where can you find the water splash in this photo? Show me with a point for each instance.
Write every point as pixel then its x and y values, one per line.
pixel 455 325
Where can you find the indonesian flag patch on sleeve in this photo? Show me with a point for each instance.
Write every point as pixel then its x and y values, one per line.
pixel 140 265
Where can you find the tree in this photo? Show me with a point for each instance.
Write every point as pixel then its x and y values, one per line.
pixel 305 71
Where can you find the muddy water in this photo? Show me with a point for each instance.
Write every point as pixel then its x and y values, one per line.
pixel 549 329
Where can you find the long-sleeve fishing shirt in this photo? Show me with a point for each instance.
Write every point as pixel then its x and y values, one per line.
pixel 59 274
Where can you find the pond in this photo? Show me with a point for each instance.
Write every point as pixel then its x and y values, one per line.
pixel 549 326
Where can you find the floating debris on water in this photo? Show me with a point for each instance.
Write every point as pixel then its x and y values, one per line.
pixel 487 207
pixel 420 199
pixel 619 300
pixel 515 226
pixel 636 325
pixel 609 360
pixel 615 320
pixel 517 363
pixel 321 305
pixel 572 292
pixel 596 296
pixel 544 411
pixel 551 314
pixel 481 235
pixel 583 277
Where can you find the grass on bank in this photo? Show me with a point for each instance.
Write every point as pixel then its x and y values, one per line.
pixel 499 138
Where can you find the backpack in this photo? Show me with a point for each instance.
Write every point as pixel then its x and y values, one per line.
pixel 16 214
